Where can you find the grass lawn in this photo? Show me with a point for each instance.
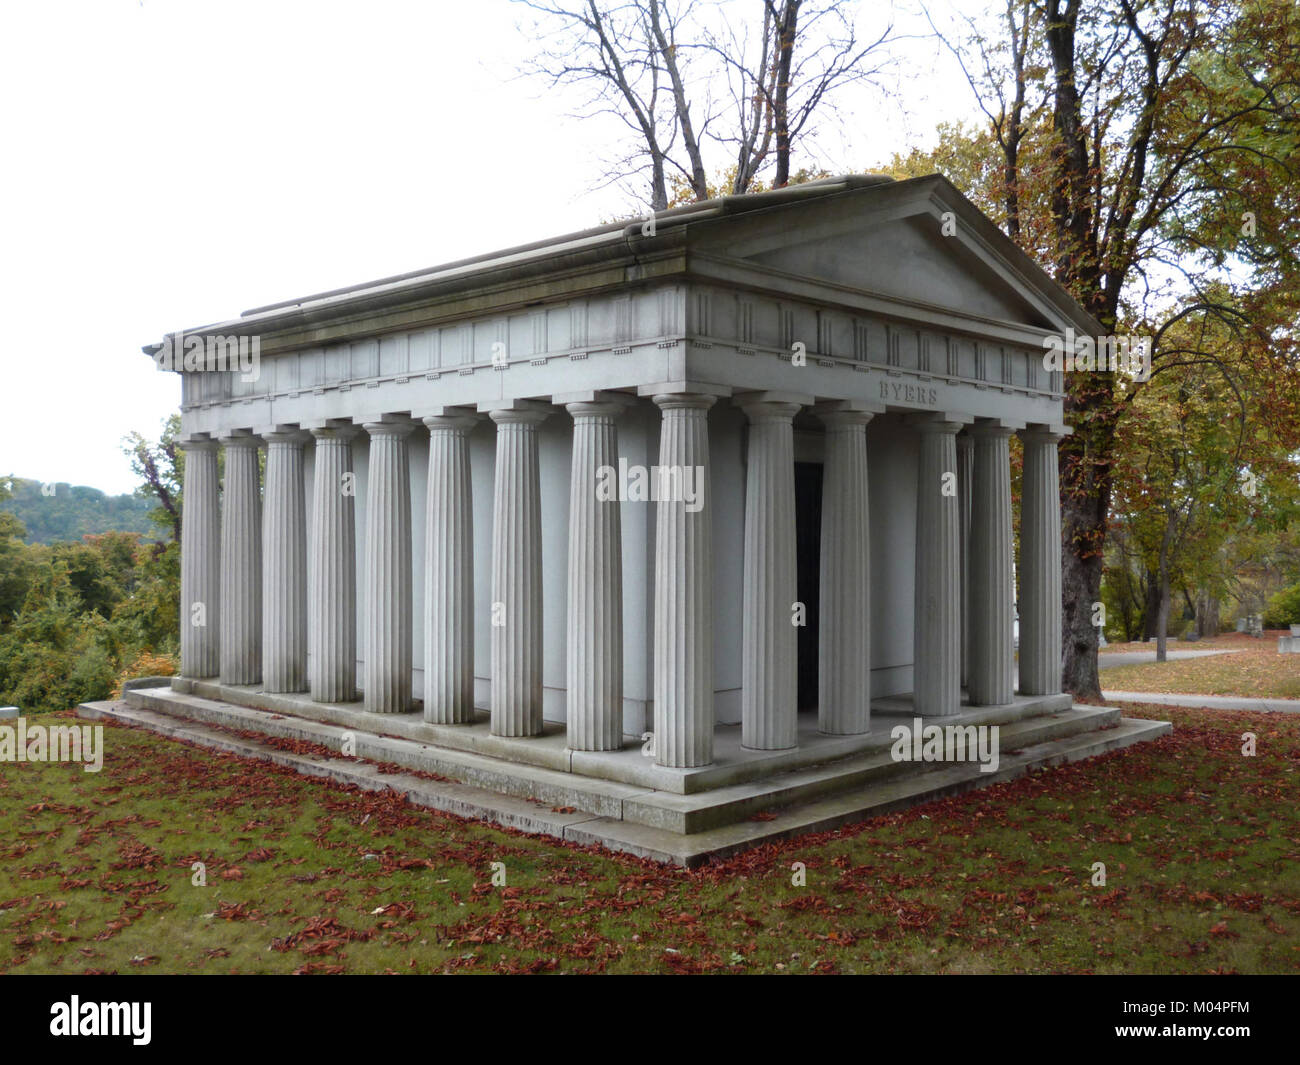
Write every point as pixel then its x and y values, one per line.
pixel 1255 671
pixel 1200 846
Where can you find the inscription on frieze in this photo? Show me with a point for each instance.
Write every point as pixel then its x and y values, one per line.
pixel 904 392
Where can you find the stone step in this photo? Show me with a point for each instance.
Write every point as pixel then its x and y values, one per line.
pixel 551 787
pixel 687 813
pixel 874 800
pixel 893 791
pixel 732 763
pixel 700 811
pixel 464 800
pixel 678 813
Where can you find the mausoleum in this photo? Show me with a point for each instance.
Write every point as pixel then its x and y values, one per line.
pixel 681 514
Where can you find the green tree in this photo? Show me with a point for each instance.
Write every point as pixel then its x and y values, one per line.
pixel 1151 163
pixel 160 465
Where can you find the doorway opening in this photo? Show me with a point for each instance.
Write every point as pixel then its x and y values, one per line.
pixel 808 554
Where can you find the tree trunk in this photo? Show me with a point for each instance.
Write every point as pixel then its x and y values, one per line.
pixel 781 106
pixel 658 184
pixel 1080 588
pixel 1166 599
pixel 1207 615
pixel 1162 625
pixel 1151 608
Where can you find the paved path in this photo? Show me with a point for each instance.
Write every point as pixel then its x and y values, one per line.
pixel 1208 702
pixel 1111 659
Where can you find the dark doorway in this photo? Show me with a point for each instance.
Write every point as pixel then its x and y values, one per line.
pixel 808 554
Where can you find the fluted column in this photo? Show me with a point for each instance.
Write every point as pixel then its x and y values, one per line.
pixel 449 573
pixel 241 563
pixel 1040 566
pixel 992 592
pixel 595 621
pixel 844 632
pixel 769 711
pixel 332 584
pixel 388 570
pixel 683 681
pixel 284 566
pixel 517 576
pixel 965 473
pixel 936 667
pixel 200 562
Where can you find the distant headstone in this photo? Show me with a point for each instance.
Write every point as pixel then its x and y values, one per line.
pixel 8 712
pixel 1241 624
pixel 1288 645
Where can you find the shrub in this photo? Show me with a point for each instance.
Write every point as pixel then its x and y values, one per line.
pixel 146 664
pixel 1283 609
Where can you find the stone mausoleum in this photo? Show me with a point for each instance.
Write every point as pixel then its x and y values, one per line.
pixel 666 522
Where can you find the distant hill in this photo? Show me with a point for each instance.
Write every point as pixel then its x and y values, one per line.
pixel 71 511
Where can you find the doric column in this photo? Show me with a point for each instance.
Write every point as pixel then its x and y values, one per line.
pixel 992 592
pixel 449 573
pixel 595 623
pixel 1040 566
pixel 387 640
pixel 517 575
pixel 332 584
pixel 844 632
pixel 683 683
pixel 200 562
pixel 965 473
pixel 769 712
pixel 936 667
pixel 241 563
pixel 284 565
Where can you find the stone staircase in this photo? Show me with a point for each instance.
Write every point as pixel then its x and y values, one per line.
pixel 621 800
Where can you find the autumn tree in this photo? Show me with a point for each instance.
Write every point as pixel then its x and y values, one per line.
pixel 1197 461
pixel 1147 156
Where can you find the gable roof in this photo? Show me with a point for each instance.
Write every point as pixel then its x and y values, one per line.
pixel 865 235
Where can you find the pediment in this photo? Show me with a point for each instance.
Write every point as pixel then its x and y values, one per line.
pixel 905 242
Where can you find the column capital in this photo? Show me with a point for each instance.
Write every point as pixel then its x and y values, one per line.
pixel 684 388
pixel 389 425
pixel 939 422
pixel 451 419
pixel 518 417
pixel 284 435
pixel 683 400
pixel 844 419
pixel 615 400
pixel 1044 433
pixel 334 432
pixel 771 406
pixel 996 427
pixel 239 438
pixel 839 413
pixel 594 410
pixel 197 443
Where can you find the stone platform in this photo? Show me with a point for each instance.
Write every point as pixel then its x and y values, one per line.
pixel 621 799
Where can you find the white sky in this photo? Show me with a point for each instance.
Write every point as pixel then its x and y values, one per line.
pixel 169 163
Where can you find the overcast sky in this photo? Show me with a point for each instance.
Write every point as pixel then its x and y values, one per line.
pixel 170 163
